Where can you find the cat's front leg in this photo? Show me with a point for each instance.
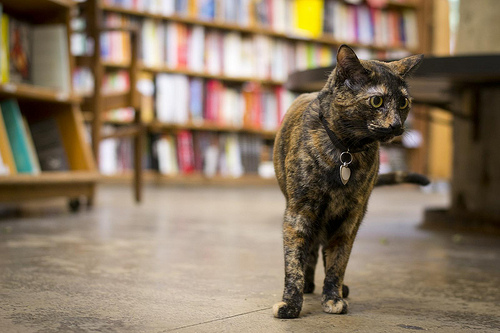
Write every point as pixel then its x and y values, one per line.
pixel 337 251
pixel 296 243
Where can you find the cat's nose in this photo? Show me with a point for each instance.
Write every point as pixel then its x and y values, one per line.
pixel 397 128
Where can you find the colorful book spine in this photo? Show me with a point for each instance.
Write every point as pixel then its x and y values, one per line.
pixel 18 138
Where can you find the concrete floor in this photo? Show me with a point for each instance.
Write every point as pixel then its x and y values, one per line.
pixel 210 260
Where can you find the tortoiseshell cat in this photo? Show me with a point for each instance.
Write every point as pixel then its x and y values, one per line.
pixel 326 158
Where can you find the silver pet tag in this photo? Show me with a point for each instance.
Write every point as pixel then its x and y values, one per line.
pixel 345 172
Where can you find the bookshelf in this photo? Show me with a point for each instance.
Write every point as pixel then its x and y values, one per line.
pixel 104 97
pixel 272 46
pixel 44 151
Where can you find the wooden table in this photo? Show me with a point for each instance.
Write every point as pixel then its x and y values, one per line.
pixel 469 88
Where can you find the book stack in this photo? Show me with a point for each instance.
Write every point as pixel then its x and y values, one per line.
pixel 20 41
pixel 29 148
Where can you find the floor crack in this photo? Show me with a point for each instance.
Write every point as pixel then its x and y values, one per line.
pixel 218 319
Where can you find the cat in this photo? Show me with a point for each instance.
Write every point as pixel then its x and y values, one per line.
pixel 326 158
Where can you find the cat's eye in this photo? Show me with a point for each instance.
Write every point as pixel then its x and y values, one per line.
pixel 403 103
pixel 376 101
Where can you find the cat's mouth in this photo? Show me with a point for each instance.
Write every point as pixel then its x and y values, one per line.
pixel 387 134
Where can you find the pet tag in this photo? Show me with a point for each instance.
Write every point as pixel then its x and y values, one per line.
pixel 345 172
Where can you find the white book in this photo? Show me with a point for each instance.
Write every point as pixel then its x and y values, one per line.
pixel 108 157
pixel 196 49
pixel 50 63
pixel 279 19
pixel 247 57
pixel 364 27
pixel 181 99
pixel 148 33
pixel 167 7
pixel 159 46
pixel 232 54
pixel 165 97
pixel 172 45
pixel 213 53
pixel 167 156
pixel 262 54
pixel 410 27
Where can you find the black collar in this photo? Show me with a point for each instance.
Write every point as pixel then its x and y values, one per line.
pixel 336 141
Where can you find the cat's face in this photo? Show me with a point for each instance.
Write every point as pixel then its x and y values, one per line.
pixel 371 98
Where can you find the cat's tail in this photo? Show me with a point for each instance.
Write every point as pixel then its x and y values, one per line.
pixel 401 177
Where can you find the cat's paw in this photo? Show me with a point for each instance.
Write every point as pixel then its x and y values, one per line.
pixel 338 306
pixel 284 311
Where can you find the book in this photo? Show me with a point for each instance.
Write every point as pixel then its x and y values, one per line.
pixel 185 152
pixel 19 51
pixel 8 165
pixel 18 138
pixel 49 145
pixel 51 57
pixel 4 48
pixel 309 17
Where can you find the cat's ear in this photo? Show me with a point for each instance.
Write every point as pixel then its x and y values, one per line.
pixel 406 66
pixel 349 67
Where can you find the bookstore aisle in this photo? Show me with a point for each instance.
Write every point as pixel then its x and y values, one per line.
pixel 210 260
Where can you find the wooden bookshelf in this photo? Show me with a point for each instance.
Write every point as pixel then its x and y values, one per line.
pixel 37 103
pixel 100 9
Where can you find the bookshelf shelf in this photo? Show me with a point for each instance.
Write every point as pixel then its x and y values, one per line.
pixel 194 179
pixel 326 40
pixel 210 76
pixel 30 92
pixel 52 178
pixel 162 127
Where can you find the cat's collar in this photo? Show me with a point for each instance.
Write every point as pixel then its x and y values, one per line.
pixel 336 141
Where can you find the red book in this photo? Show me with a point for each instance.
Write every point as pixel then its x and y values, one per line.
pixel 185 152
pixel 182 46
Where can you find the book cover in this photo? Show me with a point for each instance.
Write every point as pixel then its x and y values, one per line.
pixel 31 147
pixel 309 17
pixel 4 48
pixel 8 165
pixel 19 51
pixel 196 100
pixel 51 64
pixel 185 152
pixel 16 133
pixel 49 145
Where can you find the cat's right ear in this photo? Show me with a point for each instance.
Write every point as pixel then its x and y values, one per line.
pixel 349 67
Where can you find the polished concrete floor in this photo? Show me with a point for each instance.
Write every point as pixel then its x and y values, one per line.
pixel 210 260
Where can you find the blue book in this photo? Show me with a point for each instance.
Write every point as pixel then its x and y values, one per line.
pixel 196 99
pixel 16 131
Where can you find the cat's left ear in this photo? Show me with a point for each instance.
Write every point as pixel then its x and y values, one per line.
pixel 408 65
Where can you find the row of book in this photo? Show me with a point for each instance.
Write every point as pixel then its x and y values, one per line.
pixel 233 54
pixel 186 152
pixel 344 21
pixel 34 54
pixel 370 26
pixel 180 100
pixel 29 147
